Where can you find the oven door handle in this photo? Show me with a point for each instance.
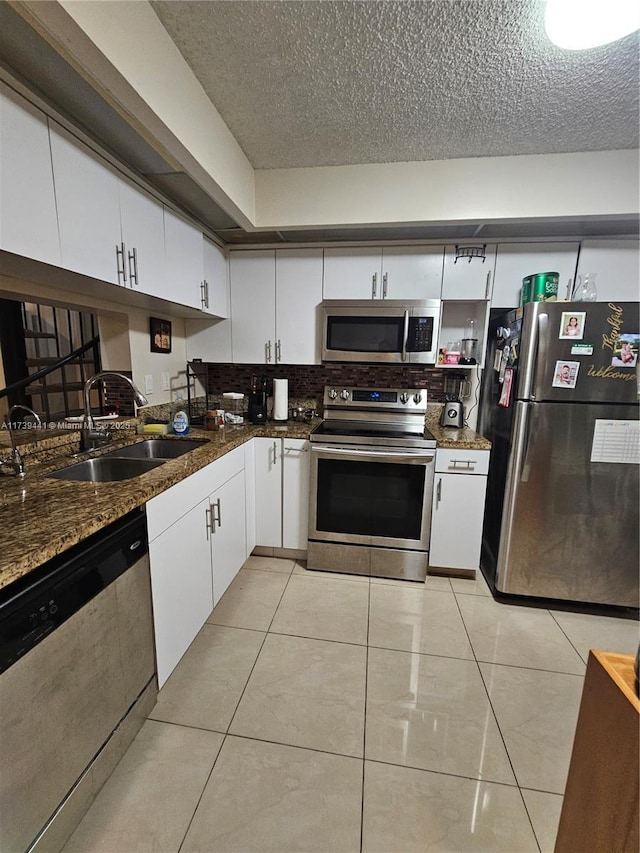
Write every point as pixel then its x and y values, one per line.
pixel 395 455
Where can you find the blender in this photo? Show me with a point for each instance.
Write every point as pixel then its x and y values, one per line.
pixel 456 389
pixel 469 349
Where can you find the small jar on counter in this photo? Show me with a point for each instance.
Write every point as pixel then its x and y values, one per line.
pixel 234 402
pixel 212 420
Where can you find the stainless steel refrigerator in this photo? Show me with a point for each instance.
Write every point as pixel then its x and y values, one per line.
pixel 559 402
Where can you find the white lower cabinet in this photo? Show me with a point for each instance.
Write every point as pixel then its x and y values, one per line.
pixel 295 493
pixel 181 585
pixel 228 535
pixel 197 544
pixel 459 489
pixel 282 492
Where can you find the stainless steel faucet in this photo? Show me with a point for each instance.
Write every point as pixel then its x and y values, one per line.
pixel 92 438
pixel 17 462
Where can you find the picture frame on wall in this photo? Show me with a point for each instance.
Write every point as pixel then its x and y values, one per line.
pixel 160 335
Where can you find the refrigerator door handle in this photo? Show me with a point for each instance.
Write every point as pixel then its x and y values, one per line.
pixel 542 349
pixel 516 474
pixel 535 331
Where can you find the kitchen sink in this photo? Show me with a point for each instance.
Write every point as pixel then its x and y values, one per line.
pixel 156 448
pixel 106 470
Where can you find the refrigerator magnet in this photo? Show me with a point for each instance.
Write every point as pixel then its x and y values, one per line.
pixel 625 350
pixel 572 325
pixel 566 374
pixel 505 393
pixel 581 349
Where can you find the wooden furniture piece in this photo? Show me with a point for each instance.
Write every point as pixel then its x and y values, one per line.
pixel 600 807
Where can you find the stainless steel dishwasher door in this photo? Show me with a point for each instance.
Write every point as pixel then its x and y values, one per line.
pixel 61 702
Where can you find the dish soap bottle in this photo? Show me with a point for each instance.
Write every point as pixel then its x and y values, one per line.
pixel 180 419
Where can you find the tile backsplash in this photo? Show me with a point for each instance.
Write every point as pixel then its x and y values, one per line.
pixel 308 381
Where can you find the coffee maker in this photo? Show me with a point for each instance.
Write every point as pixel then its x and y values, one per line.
pixel 258 400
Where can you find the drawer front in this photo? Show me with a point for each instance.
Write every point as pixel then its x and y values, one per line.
pixel 462 461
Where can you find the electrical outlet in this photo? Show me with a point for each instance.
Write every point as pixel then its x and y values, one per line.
pixel 148 383
pixel 166 381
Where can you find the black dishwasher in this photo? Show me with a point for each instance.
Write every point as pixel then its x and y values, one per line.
pixel 32 607
pixel 77 680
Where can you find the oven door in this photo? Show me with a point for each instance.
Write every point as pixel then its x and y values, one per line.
pixel 371 496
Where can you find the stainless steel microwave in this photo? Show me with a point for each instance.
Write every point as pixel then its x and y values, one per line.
pixel 389 331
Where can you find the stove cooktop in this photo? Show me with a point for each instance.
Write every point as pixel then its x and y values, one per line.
pixel 354 432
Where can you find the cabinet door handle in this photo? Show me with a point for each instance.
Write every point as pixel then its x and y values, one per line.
pixel 374 285
pixel 217 517
pixel 122 271
pixel 204 294
pixel 209 520
pixel 132 257
pixel 267 348
pixel 384 286
pixel 296 449
pixel 278 351
pixel 275 453
pixel 486 290
pixel 439 492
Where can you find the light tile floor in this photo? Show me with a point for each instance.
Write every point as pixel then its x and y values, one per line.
pixel 333 713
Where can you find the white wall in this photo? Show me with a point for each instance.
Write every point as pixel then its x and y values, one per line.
pixel 124 51
pixel 124 335
pixel 474 190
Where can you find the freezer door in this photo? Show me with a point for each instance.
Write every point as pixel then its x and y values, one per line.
pixel 579 352
pixel 570 526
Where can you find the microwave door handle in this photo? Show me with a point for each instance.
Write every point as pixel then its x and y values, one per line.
pixel 405 335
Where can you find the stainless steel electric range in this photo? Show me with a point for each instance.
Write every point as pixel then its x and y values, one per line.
pixel 371 483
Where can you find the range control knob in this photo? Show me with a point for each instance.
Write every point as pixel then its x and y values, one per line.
pixel 404 398
pixel 333 394
pixel 344 394
pixel 417 398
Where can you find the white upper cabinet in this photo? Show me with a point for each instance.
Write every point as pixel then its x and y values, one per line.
pixel 253 306
pixel 210 339
pixel 412 272
pixel 352 274
pixel 394 272
pixel 142 224
pixel 216 299
pixel 88 202
pixel 468 277
pixel 28 218
pixel 617 267
pixel 516 261
pixel 183 260
pixel 274 297
pixel 298 294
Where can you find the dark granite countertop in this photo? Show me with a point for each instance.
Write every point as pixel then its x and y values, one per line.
pixel 41 517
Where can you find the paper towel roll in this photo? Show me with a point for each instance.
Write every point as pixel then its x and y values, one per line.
pixel 280 399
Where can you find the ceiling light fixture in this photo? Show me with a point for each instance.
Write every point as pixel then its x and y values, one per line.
pixel 582 24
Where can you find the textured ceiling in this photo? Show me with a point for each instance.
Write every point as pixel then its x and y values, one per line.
pixel 318 82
